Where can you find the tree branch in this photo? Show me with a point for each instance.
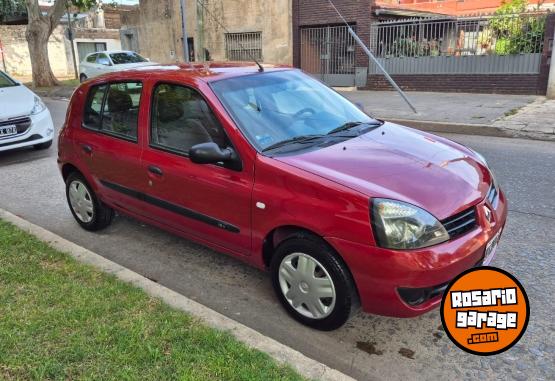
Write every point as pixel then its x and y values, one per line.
pixel 33 10
pixel 55 13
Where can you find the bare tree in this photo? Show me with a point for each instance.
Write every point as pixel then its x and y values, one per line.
pixel 39 29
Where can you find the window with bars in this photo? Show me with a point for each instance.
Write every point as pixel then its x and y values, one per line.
pixel 243 46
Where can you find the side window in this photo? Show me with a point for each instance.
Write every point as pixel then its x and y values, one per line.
pixel 181 119
pixel 93 108
pixel 114 109
pixel 121 110
pixel 102 59
pixel 91 58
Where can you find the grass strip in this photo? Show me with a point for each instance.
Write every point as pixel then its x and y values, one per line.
pixel 62 320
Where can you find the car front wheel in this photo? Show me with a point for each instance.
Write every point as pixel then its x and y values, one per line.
pixel 87 210
pixel 82 78
pixel 312 283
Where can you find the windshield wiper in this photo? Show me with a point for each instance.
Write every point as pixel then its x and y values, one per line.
pixel 350 125
pixel 297 139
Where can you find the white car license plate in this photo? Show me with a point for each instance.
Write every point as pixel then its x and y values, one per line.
pixel 8 130
pixel 491 247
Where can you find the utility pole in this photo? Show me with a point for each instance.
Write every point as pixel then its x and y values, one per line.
pixel 551 78
pixel 184 30
pixel 70 36
pixel 201 54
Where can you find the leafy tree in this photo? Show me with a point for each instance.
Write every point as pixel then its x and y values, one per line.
pixel 515 31
pixel 39 29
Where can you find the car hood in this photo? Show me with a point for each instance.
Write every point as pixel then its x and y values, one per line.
pixel 133 65
pixel 15 101
pixel 400 163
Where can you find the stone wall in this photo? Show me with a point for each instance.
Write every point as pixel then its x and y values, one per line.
pixel 16 52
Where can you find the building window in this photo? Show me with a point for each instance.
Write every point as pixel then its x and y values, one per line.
pixel 86 48
pixel 243 46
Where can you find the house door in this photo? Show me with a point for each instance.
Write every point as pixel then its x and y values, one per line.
pixel 328 53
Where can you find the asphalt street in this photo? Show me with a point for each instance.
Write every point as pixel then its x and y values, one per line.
pixel 369 347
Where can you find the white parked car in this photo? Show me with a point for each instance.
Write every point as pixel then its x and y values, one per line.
pixel 99 63
pixel 24 119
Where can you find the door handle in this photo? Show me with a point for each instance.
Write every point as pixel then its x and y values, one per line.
pixel 156 170
pixel 87 148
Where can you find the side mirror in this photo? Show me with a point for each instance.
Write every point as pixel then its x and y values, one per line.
pixel 211 153
pixel 360 106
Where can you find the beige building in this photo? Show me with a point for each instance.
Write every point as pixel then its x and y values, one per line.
pixel 255 28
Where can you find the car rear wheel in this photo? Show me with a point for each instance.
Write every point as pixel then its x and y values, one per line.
pixel 312 283
pixel 41 146
pixel 87 210
pixel 83 78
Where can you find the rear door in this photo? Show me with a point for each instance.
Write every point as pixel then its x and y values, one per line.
pixel 110 144
pixel 209 202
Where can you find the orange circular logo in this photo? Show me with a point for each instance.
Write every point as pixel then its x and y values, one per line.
pixel 485 311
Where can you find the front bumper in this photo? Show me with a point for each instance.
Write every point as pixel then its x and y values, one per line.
pixel 40 131
pixel 380 273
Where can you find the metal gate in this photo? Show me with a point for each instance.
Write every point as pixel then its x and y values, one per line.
pixel 328 53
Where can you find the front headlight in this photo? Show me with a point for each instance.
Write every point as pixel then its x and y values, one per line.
pixel 399 225
pixel 38 107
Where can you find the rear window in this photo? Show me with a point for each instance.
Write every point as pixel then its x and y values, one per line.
pixel 126 58
pixel 91 58
pixel 114 109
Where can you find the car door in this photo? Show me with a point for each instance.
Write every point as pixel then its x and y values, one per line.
pixel 208 202
pixel 88 65
pixel 109 142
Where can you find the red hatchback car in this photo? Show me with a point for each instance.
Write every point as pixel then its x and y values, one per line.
pixel 278 170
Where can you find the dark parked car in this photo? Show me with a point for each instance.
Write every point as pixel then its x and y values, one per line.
pixel 279 170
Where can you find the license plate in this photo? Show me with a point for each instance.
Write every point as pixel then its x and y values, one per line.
pixel 491 247
pixel 8 130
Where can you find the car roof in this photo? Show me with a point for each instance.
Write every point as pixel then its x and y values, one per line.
pixel 206 72
pixel 112 51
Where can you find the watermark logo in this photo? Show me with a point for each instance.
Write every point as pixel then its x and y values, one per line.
pixel 485 311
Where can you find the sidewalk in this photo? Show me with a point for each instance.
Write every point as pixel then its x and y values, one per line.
pixel 526 116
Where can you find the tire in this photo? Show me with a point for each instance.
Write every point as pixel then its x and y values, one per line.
pixel 98 216
pixel 82 78
pixel 334 311
pixel 42 146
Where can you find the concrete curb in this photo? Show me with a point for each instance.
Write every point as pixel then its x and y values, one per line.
pixel 471 129
pixel 305 366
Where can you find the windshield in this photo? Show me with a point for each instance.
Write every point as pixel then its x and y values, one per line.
pixel 6 81
pixel 280 106
pixel 126 58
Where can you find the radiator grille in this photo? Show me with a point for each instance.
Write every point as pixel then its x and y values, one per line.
pixel 460 223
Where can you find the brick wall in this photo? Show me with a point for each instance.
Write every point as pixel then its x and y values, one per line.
pixel 465 83
pixel 320 12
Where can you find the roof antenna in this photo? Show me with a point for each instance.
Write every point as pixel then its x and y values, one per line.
pixel 260 67
pixel 373 58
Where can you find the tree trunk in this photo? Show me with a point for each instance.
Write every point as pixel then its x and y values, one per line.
pixel 37 35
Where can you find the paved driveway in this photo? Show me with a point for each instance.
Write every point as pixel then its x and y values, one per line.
pixel 369 347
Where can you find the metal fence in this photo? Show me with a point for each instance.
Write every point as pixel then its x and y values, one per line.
pixel 507 44
pixel 243 46
pixel 328 53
